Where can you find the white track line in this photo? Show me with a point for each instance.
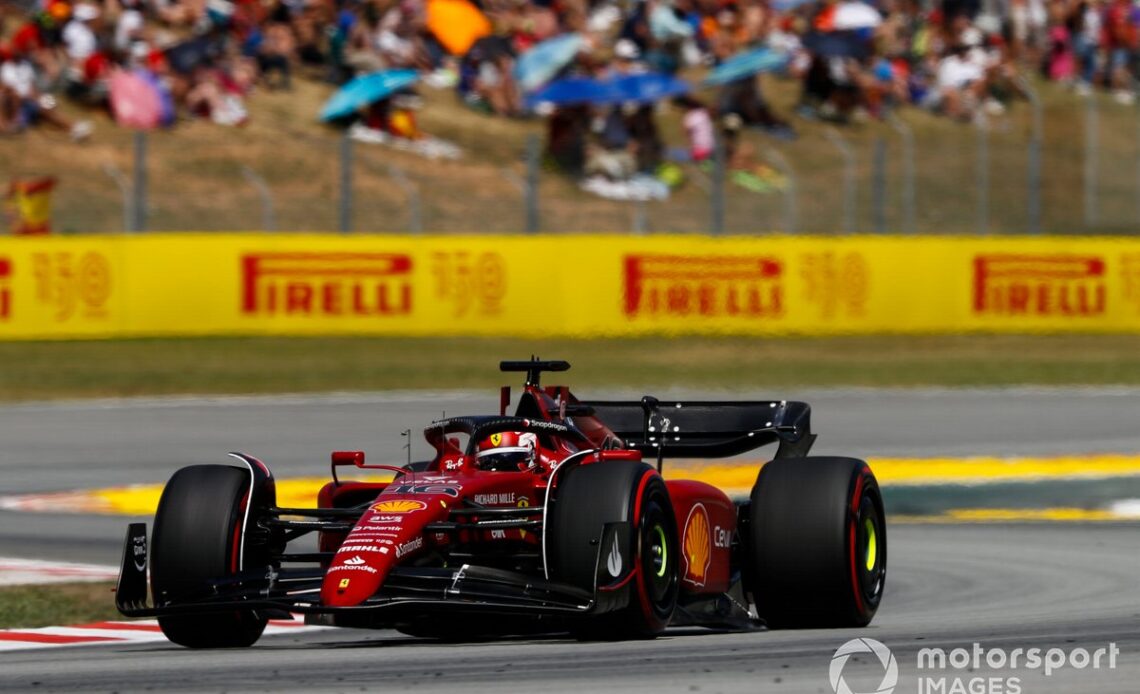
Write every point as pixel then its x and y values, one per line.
pixel 116 633
pixel 14 572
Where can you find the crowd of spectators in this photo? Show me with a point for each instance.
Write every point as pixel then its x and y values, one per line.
pixel 956 57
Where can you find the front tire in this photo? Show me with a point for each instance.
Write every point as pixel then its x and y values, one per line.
pixel 818 543
pixel 586 499
pixel 197 539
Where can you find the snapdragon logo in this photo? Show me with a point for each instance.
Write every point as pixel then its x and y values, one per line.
pixel 859 647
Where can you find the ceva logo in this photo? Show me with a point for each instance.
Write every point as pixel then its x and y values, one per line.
pixel 856 647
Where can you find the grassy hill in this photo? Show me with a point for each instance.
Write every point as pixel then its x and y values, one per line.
pixel 196 182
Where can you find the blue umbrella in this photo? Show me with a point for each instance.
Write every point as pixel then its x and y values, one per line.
pixel 839 44
pixel 648 87
pixel 785 5
pixel 575 90
pixel 747 64
pixel 535 67
pixel 365 90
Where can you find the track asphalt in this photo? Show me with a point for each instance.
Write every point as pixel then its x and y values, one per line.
pixel 1002 586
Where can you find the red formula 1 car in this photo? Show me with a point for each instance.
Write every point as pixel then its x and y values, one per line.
pixel 553 519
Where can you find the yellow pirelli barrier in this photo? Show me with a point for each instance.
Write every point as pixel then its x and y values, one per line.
pixel 581 285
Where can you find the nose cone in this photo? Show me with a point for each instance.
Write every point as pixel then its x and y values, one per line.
pixel 388 533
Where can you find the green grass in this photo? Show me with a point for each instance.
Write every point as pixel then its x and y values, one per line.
pixel 56 605
pixel 46 370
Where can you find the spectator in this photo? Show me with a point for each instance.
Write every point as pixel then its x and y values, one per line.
pixel 960 83
pixel 1120 43
pixel 698 127
pixel 669 32
pixel 22 105
pixel 1085 24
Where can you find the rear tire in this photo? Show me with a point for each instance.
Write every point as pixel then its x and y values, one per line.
pixel 197 536
pixel 818 543
pixel 587 498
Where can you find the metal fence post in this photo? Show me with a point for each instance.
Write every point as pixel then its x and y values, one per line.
pixel 908 183
pixel 640 217
pixel 718 179
pixel 982 173
pixel 268 219
pixel 415 207
pixel 125 190
pixel 1092 132
pixel 791 214
pixel 139 188
pixel 531 187
pixel 345 213
pixel 848 155
pixel 879 186
pixel 1036 139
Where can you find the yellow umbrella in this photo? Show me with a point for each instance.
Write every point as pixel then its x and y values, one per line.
pixel 456 24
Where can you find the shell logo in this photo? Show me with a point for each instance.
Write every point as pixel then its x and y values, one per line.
pixel 400 506
pixel 696 546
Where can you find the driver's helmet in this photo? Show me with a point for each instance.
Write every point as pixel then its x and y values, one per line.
pixel 507 450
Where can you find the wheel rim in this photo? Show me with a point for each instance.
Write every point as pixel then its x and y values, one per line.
pixel 658 551
pixel 872 551
pixel 658 575
pixel 657 562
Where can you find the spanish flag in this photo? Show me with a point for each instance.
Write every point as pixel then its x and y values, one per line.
pixel 30 200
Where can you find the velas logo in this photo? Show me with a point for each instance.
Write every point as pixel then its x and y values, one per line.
pixel 696 545
pixel 614 562
pixel 856 647
pixel 1039 285
pixel 713 286
pixel 399 506
pixel 326 284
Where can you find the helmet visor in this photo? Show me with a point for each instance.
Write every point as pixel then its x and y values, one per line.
pixel 504 459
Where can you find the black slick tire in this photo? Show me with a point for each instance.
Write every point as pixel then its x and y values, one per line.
pixel 817 546
pixel 197 536
pixel 588 497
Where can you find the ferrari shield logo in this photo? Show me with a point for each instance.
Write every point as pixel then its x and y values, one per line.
pixel 496 439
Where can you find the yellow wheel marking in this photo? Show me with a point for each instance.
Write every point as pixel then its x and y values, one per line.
pixel 872 544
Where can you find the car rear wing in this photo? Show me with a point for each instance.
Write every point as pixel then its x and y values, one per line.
pixel 707 429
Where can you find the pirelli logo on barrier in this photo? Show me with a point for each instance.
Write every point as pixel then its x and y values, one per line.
pixel 1040 285
pixel 327 284
pixel 1130 279
pixel 5 288
pixel 709 286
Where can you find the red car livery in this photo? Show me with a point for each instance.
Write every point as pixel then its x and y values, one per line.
pixel 553 518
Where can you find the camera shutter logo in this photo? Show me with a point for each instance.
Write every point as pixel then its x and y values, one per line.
pixel 856 647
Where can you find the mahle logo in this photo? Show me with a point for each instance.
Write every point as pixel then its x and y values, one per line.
pixel 857 647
